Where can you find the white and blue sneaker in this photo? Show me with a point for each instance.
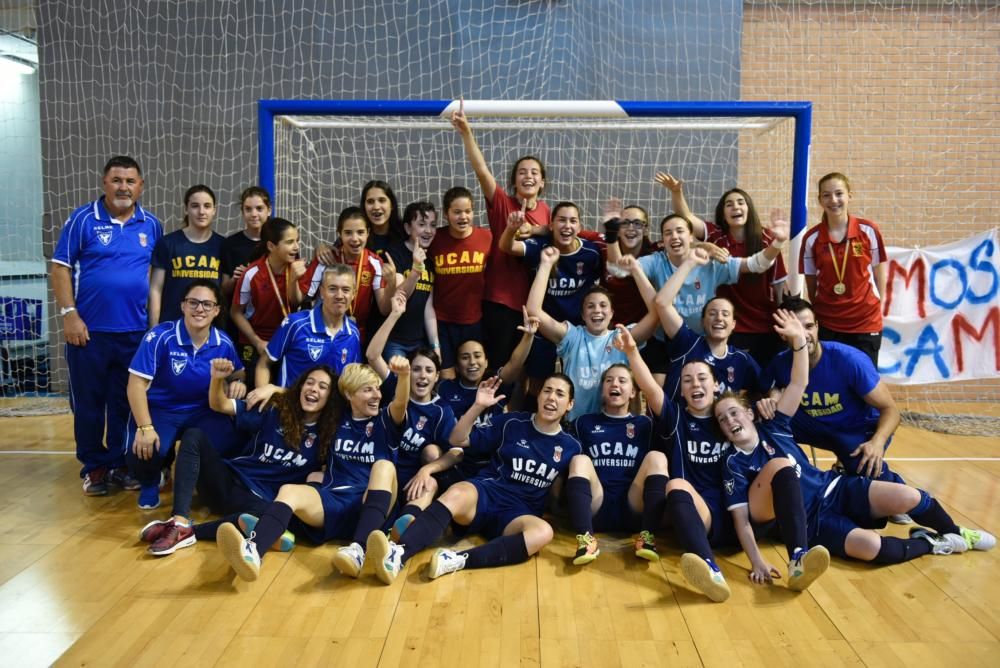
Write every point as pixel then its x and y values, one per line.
pixel 807 565
pixel 239 551
pixel 285 542
pixel 386 556
pixel 704 576
pixel 444 562
pixel 948 543
pixel 349 560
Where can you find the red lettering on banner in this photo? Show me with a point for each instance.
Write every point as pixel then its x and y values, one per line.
pixel 920 270
pixel 959 324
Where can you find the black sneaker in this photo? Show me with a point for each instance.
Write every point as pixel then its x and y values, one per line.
pixel 122 478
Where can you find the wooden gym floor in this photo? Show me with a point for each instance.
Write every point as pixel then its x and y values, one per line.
pixel 77 588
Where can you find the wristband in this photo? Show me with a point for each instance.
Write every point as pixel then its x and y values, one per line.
pixel 66 310
pixel 795 350
pixel 758 263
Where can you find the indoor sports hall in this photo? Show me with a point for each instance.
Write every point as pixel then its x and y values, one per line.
pixel 311 100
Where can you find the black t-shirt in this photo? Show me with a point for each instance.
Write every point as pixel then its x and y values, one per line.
pixel 237 249
pixel 183 261
pixel 409 329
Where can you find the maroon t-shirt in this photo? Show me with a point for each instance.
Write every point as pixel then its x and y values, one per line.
pixel 507 279
pixel 460 274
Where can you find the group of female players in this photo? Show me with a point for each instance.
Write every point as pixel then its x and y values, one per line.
pixel 645 428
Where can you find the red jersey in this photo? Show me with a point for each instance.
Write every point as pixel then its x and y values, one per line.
pixel 264 306
pixel 367 279
pixel 507 279
pixel 858 309
pixel 753 295
pixel 460 275
pixel 626 301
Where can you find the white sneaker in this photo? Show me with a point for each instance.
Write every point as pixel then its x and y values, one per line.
pixel 806 566
pixel 705 577
pixel 949 543
pixel 387 557
pixel 977 539
pixel 240 552
pixel 446 561
pixel 349 560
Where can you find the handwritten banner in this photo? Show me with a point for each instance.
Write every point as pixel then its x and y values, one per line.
pixel 942 313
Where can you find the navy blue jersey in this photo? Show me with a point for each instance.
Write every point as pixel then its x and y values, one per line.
pixel 302 342
pixel 110 265
pixel 616 445
pixel 179 375
pixel 696 450
pixel 775 441
pixel 267 462
pixel 523 459
pixel 426 423
pixel 460 397
pixel 833 413
pixel 183 261
pixel 357 445
pixel 572 275
pixel 735 371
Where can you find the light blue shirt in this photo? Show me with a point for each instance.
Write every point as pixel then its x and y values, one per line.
pixel 585 357
pixel 699 286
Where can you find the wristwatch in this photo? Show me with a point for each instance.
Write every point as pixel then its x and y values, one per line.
pixel 66 310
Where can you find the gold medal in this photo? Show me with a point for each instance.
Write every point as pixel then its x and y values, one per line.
pixel 839 287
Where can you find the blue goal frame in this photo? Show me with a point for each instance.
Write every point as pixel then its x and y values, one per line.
pixel 801 112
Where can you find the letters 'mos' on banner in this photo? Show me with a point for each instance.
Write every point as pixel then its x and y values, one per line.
pixel 942 312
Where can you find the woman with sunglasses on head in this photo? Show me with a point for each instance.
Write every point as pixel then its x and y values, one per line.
pixel 168 386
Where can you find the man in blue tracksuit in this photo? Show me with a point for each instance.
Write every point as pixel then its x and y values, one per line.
pixel 100 277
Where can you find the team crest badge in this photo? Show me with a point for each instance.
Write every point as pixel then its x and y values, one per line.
pixel 369 428
pixel 310 439
pixel 579 269
pixel 104 237
pixel 557 453
pixel 366 277
pixel 421 422
pixel 730 486
pixel 343 356
pixel 630 430
pixel 143 239
pixel 315 352
pixel 697 284
pixel 177 365
pixel 857 248
pixel 731 375
pixel 768 448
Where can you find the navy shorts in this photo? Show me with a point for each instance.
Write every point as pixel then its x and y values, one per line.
pixel 844 509
pixel 451 335
pixel 722 533
pixel 497 507
pixel 341 510
pixel 615 513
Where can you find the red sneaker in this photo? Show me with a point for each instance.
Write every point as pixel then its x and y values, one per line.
pixel 173 539
pixel 153 531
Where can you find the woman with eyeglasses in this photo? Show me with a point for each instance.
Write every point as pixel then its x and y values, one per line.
pixel 168 386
